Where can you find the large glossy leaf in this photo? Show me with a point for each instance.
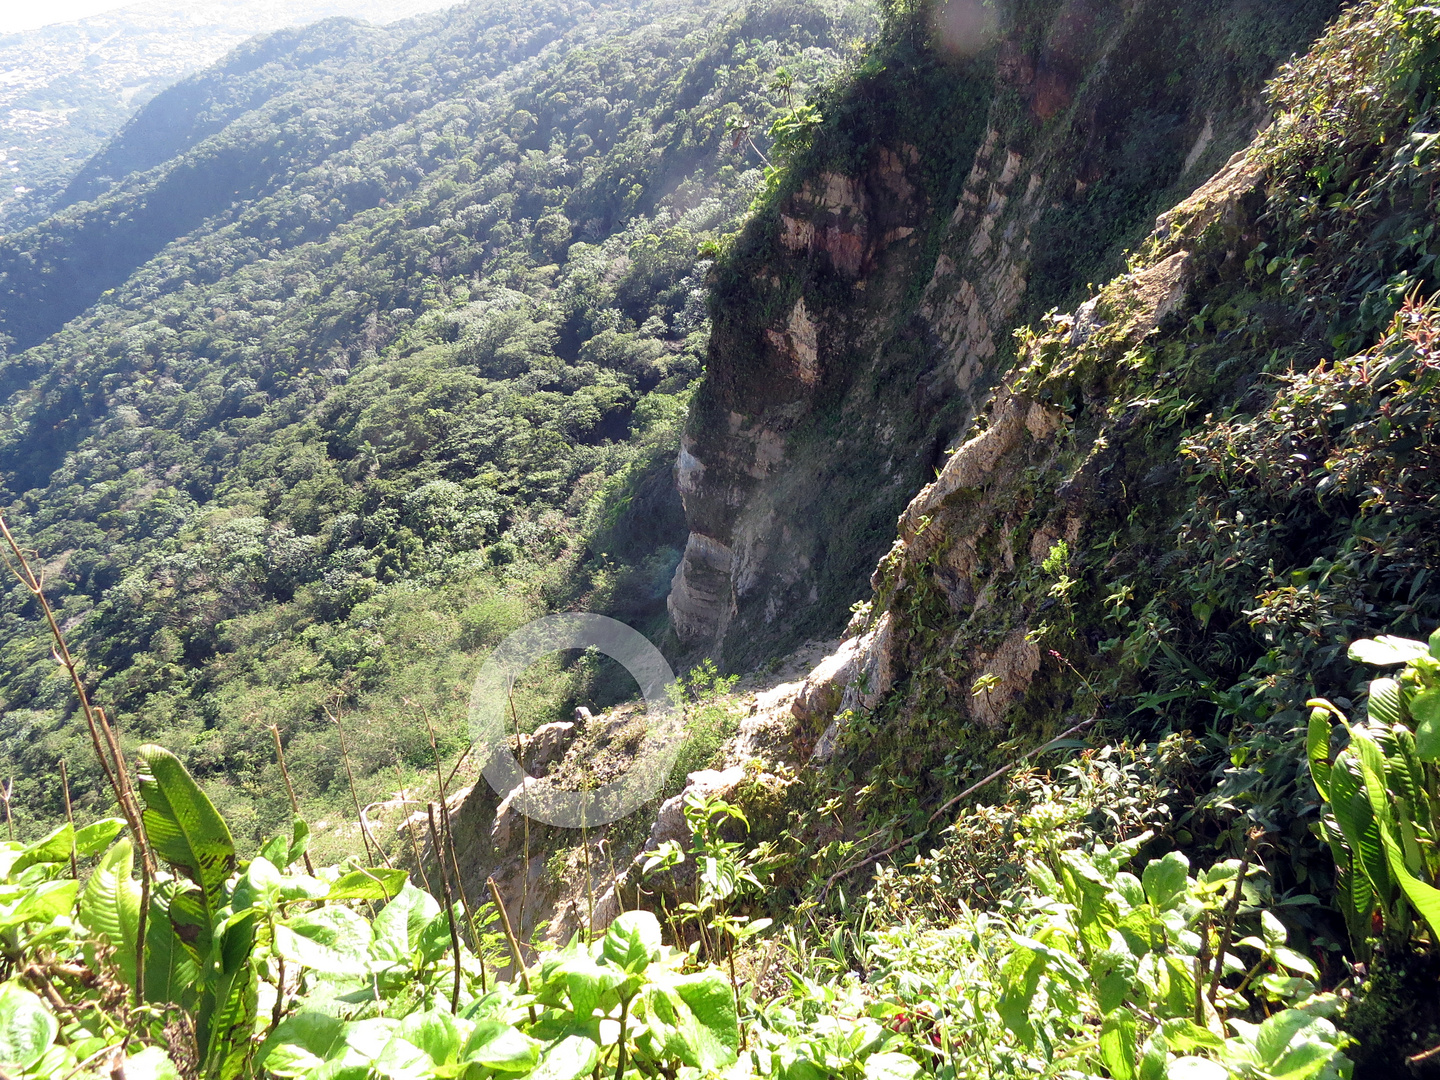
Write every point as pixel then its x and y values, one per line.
pixel 398 927
pixel 1423 897
pixel 369 884
pixel 54 847
pixel 1386 704
pixel 300 1043
pixel 891 1066
pixel 1351 806
pixel 171 969
pixel 1425 708
pixel 26 1027
pixel 496 1045
pixel 151 1063
pixel 227 1010
pixel 97 836
pixel 1387 650
pixel 332 940
pixel 571 1058
pixel 110 906
pixel 186 830
pixel 43 902
pixel 1317 751
pixel 1117 1043
pixel 1165 880
pixel 632 940
pixel 694 1017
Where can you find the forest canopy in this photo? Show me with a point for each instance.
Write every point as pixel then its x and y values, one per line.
pixel 384 352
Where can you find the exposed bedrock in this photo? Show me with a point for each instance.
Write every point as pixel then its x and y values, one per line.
pixel 867 313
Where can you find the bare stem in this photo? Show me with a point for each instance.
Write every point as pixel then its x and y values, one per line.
pixel 69 817
pixel 114 770
pixel 290 789
pixel 525 788
pixel 354 794
pixel 449 906
pixel 510 938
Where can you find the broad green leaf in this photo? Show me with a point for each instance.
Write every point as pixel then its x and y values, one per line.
pixel 226 1014
pixel 332 940
pixel 110 906
pixel 590 986
pixel 1386 650
pixel 171 969
pixel 1285 987
pixel 1020 978
pixel 1350 804
pixel 1425 708
pixel 1165 880
pixel 186 831
pixel 1117 1043
pixel 42 902
pixel 1278 1033
pixel 496 1045
pixel 275 849
pixel 400 1059
pixel 26 1027
pixel 1424 898
pixel 54 847
pixel 891 1066
pixel 1294 961
pixel 1182 1033
pixel 434 939
pixel 1196 1068
pixel 368 1037
pixel 1386 704
pixel 571 1058
pixel 436 1033
pixel 632 940
pixel 258 887
pixel 97 836
pixel 1272 930
pixel 300 1043
pixel 697 1017
pixel 299 841
pixel 151 1063
pixel 1317 751
pixel 1113 970
pixel 400 922
pixel 370 884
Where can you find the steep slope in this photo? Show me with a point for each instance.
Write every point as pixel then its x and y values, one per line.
pixel 867 310
pixel 1166 524
pixel 405 366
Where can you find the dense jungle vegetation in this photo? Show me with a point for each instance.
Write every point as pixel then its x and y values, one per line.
pixel 1229 876
pixel 379 352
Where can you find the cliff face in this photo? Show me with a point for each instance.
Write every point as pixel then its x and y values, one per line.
pixel 868 310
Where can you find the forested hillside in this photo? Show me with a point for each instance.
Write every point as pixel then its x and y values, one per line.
pixel 1126 762
pixel 379 343
pixel 69 87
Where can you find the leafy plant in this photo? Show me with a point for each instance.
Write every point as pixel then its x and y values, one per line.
pixel 1382 790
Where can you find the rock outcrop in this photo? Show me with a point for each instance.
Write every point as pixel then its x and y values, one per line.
pixel 867 313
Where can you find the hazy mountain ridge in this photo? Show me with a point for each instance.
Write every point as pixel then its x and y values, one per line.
pixel 67 88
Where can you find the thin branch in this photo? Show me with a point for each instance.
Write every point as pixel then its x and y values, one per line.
pixel 354 794
pixel 449 907
pixel 69 817
pixel 290 790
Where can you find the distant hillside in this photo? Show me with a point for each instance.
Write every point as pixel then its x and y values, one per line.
pixel 379 342
pixel 66 89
